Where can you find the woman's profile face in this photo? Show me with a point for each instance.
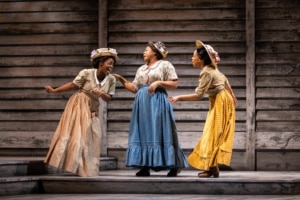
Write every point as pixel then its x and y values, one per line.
pixel 196 61
pixel 148 54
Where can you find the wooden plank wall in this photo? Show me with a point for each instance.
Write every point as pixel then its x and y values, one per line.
pixel 178 24
pixel 277 85
pixel 41 43
pixel 48 42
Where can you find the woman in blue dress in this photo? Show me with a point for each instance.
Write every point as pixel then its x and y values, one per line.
pixel 153 141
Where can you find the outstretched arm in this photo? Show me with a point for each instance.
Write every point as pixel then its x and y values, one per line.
pixel 187 97
pixel 128 85
pixel 63 88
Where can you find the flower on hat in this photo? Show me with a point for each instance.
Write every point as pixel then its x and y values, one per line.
pixel 161 48
pixel 104 52
pixel 214 56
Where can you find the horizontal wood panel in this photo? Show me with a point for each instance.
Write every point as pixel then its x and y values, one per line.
pixel 277 126
pixel 283 81
pixel 187 140
pixel 49 50
pixel 83 60
pixel 278 70
pixel 281 24
pixel 176 36
pixel 277 104
pixel 277 13
pixel 162 15
pixel 180 47
pixel 262 4
pixel 179 4
pixel 48 17
pixel 55 72
pixel 287 93
pixel 185 115
pixel 277 115
pixel 30 116
pixel 46 39
pixel 278 161
pixel 19 6
pixel 24 139
pixel 188 25
pixel 282 140
pixel 181 126
pixel 29 126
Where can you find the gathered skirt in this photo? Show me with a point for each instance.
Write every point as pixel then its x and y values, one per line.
pixel 215 144
pixel 153 140
pixel 75 146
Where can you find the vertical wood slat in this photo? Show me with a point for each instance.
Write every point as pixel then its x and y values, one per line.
pixel 250 80
pixel 102 42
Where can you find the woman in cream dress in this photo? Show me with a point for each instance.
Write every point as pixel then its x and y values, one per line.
pixel 75 146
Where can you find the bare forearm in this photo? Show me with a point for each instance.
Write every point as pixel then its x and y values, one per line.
pixel 168 85
pixel 63 88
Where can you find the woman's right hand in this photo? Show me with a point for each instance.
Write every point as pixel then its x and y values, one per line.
pixel 173 99
pixel 49 89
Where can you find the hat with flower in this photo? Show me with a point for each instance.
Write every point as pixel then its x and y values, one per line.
pixel 104 52
pixel 160 47
pixel 213 55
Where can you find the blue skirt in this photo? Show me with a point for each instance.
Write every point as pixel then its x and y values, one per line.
pixel 153 140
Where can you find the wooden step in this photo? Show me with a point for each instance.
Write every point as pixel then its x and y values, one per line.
pixel 125 182
pixel 23 166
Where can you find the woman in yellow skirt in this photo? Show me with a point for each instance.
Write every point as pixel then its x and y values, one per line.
pixel 215 144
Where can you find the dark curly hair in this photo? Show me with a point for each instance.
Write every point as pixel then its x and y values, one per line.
pixel 96 61
pixel 203 55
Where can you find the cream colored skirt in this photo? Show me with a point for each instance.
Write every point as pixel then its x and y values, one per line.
pixel 75 146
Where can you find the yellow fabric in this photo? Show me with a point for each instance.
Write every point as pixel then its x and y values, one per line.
pixel 75 146
pixel 215 144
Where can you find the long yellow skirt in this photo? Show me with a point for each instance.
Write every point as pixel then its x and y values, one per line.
pixel 215 144
pixel 75 146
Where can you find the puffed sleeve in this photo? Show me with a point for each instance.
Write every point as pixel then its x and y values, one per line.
pixel 112 88
pixel 170 73
pixel 81 78
pixel 204 84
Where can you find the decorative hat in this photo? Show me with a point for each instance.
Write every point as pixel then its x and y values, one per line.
pixel 104 52
pixel 213 55
pixel 160 47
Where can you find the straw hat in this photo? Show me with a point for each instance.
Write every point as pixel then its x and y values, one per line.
pixel 160 47
pixel 104 52
pixel 213 55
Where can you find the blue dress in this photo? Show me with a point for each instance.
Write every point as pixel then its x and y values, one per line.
pixel 153 140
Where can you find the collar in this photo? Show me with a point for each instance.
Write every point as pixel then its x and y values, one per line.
pixel 97 81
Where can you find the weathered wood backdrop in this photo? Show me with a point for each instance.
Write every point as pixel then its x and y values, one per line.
pixel 48 42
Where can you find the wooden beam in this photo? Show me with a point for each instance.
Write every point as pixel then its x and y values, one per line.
pixel 250 84
pixel 102 42
pixel 102 23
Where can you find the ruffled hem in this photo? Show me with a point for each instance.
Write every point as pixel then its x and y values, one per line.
pixel 155 157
